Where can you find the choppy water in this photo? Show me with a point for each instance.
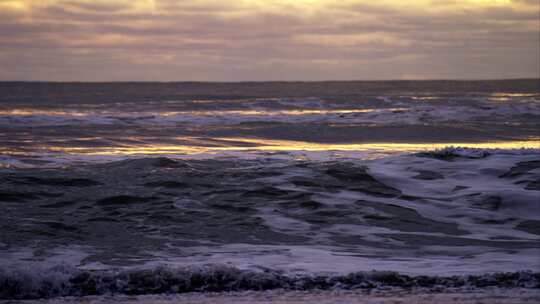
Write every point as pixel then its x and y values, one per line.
pixel 145 188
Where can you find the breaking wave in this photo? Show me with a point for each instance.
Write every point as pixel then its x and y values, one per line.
pixel 68 281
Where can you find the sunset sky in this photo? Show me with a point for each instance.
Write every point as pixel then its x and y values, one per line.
pixel 226 40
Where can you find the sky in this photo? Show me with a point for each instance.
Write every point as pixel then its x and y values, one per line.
pixel 260 40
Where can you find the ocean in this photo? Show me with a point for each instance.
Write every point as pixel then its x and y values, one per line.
pixel 120 189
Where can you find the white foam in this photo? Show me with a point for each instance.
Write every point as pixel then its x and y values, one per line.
pixel 335 261
pixel 479 170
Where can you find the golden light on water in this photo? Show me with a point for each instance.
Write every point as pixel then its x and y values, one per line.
pixel 271 113
pixel 236 144
pixel 32 112
pixel 44 112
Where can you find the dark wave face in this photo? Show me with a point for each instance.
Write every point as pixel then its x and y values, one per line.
pixel 61 281
pixel 118 193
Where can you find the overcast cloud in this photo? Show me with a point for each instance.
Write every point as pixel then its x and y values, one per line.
pixel 225 40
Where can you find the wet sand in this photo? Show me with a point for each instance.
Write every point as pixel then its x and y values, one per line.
pixel 494 296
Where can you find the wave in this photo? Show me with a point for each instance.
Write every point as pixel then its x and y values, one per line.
pixel 385 109
pixel 456 192
pixel 444 211
pixel 398 115
pixel 68 281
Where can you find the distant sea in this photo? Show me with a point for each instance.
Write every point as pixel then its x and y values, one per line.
pixel 153 188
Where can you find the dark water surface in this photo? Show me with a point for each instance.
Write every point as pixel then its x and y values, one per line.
pixel 172 187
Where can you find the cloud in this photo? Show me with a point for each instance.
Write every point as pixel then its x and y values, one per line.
pixel 268 40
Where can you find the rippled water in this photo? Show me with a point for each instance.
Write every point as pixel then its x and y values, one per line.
pixel 106 190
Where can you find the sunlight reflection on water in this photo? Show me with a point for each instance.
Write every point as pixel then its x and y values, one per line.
pixel 234 144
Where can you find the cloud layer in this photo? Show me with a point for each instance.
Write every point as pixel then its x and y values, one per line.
pixel 226 40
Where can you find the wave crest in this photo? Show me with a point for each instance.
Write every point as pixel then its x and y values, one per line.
pixel 69 281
